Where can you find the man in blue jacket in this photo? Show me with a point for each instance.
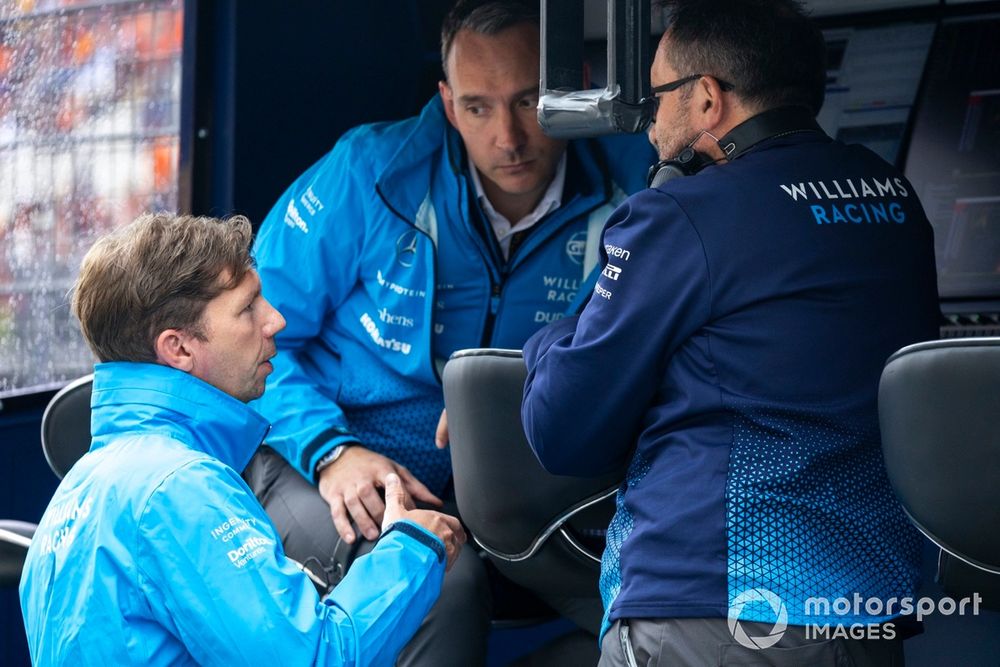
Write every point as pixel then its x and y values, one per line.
pixel 730 353
pixel 463 227
pixel 153 550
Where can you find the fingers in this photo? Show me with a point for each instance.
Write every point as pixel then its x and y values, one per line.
pixel 453 536
pixel 341 519
pixel 358 504
pixel 395 496
pixel 416 488
pixel 441 435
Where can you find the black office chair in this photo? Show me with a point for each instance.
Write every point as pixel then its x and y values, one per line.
pixel 939 413
pixel 542 531
pixel 15 537
pixel 65 438
pixel 66 425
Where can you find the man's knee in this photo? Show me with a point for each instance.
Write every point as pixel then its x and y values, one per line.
pixel 466 587
pixel 298 512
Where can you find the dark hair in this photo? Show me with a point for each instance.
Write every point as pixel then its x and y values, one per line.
pixel 154 274
pixel 769 50
pixel 486 17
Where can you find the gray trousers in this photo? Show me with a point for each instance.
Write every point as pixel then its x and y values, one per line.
pixel 707 642
pixel 456 629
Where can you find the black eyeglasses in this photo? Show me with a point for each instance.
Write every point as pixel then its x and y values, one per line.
pixel 674 85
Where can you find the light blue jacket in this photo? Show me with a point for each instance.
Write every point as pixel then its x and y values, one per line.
pixel 153 551
pixel 381 273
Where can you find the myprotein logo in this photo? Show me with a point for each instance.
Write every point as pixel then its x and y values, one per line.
pixel 757 596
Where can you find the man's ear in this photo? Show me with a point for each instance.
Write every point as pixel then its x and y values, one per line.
pixel 173 349
pixel 448 101
pixel 710 106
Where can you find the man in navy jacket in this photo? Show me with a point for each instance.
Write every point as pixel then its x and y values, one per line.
pixel 730 353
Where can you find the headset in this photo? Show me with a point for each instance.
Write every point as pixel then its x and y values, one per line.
pixel 770 124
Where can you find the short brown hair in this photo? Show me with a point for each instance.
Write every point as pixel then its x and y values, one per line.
pixel 153 274
pixel 486 17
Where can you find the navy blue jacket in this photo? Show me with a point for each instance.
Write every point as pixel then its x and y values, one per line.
pixel 731 352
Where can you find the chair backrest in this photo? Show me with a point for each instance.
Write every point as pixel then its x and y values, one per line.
pixel 66 425
pixel 15 537
pixel 939 413
pixel 65 438
pixel 516 511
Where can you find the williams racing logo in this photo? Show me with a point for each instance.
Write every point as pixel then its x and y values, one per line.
pixel 406 248
pixel 852 201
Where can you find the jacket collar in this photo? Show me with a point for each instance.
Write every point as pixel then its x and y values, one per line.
pixel 138 399
pixel 406 178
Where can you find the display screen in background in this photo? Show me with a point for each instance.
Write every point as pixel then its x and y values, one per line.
pixel 953 159
pixel 873 76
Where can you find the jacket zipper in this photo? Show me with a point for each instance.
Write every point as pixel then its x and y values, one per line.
pixel 496 288
pixel 432 288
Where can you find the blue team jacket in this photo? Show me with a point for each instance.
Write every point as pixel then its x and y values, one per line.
pixel 731 351
pixel 381 273
pixel 153 551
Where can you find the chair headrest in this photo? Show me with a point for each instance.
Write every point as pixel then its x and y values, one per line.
pixel 939 413
pixel 508 501
pixel 66 425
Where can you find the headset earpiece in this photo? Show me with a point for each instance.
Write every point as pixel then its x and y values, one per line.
pixel 767 125
pixel 687 163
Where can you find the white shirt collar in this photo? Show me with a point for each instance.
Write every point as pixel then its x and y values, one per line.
pixel 502 227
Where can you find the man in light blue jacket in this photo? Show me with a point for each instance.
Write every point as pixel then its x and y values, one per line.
pixel 153 550
pixel 463 227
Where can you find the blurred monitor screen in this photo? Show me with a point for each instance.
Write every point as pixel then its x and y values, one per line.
pixel 954 156
pixel 873 75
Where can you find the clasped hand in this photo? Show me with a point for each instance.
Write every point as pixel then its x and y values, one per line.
pixel 351 487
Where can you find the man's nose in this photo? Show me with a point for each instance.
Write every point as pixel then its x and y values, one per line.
pixel 510 135
pixel 275 322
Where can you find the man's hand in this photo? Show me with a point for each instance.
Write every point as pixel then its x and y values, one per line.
pixel 350 486
pixel 441 435
pixel 398 505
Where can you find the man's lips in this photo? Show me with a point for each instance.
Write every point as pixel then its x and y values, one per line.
pixel 518 166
